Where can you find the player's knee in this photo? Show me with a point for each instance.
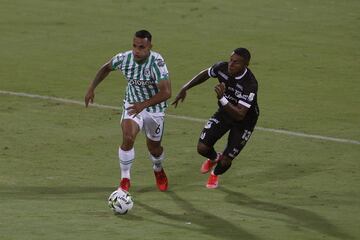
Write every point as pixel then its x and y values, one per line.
pixel 202 149
pixel 155 151
pixel 128 141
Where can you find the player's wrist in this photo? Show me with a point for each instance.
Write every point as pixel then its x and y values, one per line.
pixel 223 101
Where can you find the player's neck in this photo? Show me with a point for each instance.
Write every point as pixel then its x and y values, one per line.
pixel 237 74
pixel 141 61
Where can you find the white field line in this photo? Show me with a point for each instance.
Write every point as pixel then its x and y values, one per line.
pixel 285 132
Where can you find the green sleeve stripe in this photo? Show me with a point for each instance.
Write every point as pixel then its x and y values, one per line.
pixel 151 91
pixel 133 95
pixel 157 72
pixel 114 65
pixel 127 64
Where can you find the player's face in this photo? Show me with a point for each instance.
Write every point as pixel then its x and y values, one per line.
pixel 236 65
pixel 141 48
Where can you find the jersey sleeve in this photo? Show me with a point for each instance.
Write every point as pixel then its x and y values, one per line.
pixel 248 96
pixel 159 70
pixel 117 61
pixel 214 69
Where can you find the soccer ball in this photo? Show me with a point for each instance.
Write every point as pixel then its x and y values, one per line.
pixel 120 201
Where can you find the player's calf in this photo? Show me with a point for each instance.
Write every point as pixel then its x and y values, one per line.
pixel 223 165
pixel 206 151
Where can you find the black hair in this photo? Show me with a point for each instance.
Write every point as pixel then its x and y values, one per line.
pixel 143 34
pixel 243 52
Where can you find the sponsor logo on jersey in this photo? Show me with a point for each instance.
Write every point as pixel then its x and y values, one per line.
pixel 239 94
pixel 229 97
pixel 210 122
pixel 239 87
pixel 141 82
pixel 251 96
pixel 120 58
pixel 245 97
pixel 164 75
pixel 160 62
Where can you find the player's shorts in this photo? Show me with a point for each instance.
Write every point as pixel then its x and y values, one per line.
pixel 239 133
pixel 152 124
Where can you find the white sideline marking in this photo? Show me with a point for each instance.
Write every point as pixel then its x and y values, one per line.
pixel 290 133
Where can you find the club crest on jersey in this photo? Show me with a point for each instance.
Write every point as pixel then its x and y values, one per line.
pixel 147 72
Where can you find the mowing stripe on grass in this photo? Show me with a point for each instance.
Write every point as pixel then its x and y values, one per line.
pixel 290 133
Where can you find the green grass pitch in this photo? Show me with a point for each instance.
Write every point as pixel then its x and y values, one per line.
pixel 58 161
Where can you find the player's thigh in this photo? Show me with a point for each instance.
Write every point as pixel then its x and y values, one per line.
pixel 130 129
pixel 237 139
pixel 214 129
pixel 125 117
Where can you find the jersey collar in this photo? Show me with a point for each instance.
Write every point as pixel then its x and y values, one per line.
pixel 242 75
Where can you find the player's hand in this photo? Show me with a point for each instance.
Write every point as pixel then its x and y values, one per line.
pixel 181 96
pixel 135 108
pixel 220 90
pixel 89 97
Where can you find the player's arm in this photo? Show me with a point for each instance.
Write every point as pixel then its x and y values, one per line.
pixel 100 75
pixel 198 79
pixel 164 94
pixel 238 112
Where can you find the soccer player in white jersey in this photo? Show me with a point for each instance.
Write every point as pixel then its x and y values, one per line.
pixel 146 93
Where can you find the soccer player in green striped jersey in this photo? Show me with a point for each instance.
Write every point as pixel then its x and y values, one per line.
pixel 146 93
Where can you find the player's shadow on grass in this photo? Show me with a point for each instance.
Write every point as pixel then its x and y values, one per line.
pixel 64 192
pixel 197 220
pixel 295 216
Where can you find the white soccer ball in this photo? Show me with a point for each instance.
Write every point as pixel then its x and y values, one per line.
pixel 120 201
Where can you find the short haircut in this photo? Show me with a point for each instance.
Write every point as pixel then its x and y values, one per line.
pixel 243 52
pixel 143 34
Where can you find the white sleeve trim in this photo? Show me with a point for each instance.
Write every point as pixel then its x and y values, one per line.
pixel 209 72
pixel 244 104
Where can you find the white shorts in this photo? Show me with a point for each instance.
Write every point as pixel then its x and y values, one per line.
pixel 151 123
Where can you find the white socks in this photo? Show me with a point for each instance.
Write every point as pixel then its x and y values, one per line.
pixel 157 162
pixel 126 159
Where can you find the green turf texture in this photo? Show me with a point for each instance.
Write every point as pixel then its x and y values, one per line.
pixel 58 162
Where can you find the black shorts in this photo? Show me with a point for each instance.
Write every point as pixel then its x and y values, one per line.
pixel 239 134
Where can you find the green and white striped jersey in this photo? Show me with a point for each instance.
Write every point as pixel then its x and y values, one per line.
pixel 142 78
